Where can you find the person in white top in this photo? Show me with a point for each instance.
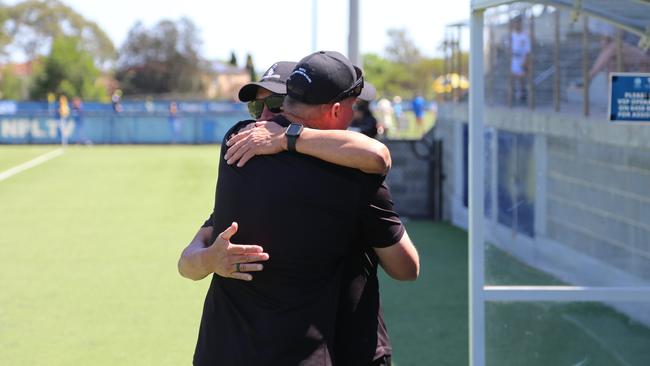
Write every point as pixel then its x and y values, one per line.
pixel 520 47
pixel 384 111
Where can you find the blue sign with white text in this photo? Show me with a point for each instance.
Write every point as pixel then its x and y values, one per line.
pixel 629 97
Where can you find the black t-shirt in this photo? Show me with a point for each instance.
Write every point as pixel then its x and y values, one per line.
pixel 361 334
pixel 306 213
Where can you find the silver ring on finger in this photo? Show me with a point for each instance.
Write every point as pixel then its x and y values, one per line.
pixel 237 267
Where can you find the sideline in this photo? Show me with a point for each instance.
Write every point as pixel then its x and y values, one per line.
pixel 30 164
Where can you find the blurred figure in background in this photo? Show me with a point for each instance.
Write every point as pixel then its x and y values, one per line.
pixel 364 121
pixel 175 124
pixel 63 111
pixel 632 57
pixel 400 120
pixel 149 105
pixel 418 110
pixel 520 48
pixel 385 113
pixel 116 101
pixel 77 116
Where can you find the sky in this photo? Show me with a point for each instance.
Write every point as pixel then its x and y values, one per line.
pixel 281 29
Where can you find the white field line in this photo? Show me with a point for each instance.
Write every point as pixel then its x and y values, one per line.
pixel 30 164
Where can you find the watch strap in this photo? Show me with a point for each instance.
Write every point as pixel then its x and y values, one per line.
pixel 291 143
pixel 292 136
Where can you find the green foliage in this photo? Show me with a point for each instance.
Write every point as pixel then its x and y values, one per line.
pixel 406 80
pixel 4 37
pixel 401 49
pixel 68 70
pixel 35 24
pixel 11 87
pixel 163 59
pixel 404 71
pixel 233 59
pixel 250 66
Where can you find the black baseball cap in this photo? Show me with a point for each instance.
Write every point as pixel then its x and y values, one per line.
pixel 326 77
pixel 274 80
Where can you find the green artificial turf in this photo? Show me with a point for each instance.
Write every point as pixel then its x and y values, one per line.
pixel 427 319
pixel 428 323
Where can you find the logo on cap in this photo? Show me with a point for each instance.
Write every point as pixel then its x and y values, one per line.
pixel 270 73
pixel 303 72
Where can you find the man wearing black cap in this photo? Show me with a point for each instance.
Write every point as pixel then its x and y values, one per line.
pixel 308 214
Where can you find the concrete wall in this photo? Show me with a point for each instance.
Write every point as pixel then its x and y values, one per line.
pixel 599 201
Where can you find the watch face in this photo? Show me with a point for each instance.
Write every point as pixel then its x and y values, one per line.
pixel 294 129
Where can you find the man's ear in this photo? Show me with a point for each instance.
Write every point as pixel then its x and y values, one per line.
pixel 335 110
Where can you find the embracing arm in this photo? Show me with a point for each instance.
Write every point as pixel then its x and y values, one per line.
pixel 191 264
pixel 222 257
pixel 345 148
pixel 400 260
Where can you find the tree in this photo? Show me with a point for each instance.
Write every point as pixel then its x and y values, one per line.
pixel 233 59
pixel 401 48
pixel 163 59
pixel 31 26
pixel 250 67
pixel 11 87
pixel 404 71
pixel 68 69
pixel 5 39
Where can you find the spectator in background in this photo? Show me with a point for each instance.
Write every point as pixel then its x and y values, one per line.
pixel 399 113
pixel 63 111
pixel 175 124
pixel 520 48
pixel 77 116
pixel 364 121
pixel 418 110
pixel 148 105
pixel 632 58
pixel 386 121
pixel 116 101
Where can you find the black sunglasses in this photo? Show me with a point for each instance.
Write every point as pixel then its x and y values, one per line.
pixel 353 91
pixel 273 103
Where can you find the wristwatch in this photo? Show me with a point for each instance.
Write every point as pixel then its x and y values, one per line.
pixel 293 132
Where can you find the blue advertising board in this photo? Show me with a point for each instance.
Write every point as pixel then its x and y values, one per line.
pixel 629 97
pixel 197 122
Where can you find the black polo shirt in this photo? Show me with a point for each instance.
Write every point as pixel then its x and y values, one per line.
pixel 307 214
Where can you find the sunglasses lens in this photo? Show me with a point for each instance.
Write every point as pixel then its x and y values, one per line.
pixel 255 108
pixel 274 103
